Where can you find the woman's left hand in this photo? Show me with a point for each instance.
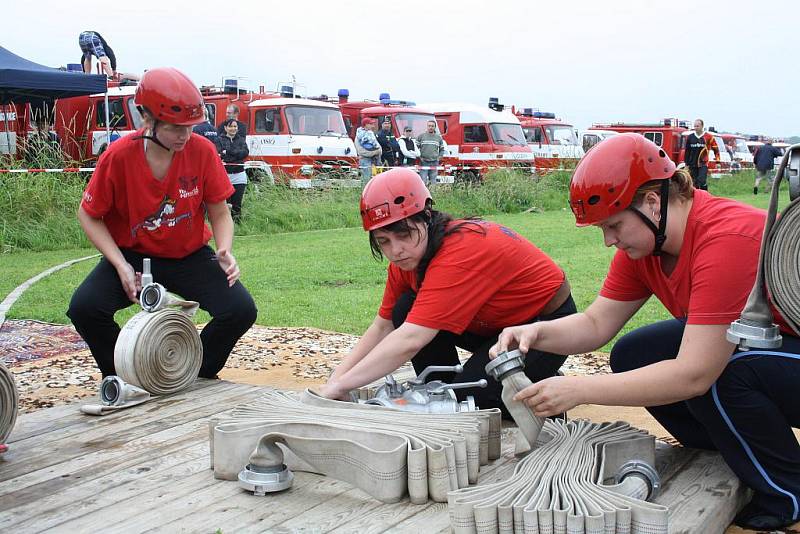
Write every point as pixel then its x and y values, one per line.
pixel 229 265
pixel 552 396
pixel 331 390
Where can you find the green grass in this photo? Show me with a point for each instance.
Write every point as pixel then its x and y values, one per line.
pixel 327 278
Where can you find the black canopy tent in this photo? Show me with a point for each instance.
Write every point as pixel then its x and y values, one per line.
pixel 23 81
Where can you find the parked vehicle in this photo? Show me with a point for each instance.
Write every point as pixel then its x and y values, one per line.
pixel 740 153
pixel 589 138
pixel 666 134
pixel 553 142
pixel 480 139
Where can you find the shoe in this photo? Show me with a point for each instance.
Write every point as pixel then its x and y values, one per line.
pixel 755 190
pixel 753 518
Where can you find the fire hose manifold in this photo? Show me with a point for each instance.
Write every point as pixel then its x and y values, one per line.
pixel 9 405
pixel 158 351
pixel 385 452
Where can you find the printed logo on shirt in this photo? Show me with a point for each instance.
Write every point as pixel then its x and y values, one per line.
pixel 188 186
pixel 87 196
pixel 164 217
pixel 509 232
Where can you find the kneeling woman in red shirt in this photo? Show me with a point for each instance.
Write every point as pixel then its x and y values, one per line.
pixel 701 263
pixel 148 198
pixel 451 283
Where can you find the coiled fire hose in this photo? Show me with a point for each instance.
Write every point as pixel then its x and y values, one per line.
pixel 778 271
pixel 579 477
pixel 385 452
pixel 9 405
pixel 158 351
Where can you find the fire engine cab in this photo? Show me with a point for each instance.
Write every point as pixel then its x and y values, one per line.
pixel 298 141
pixel 400 113
pixel 737 146
pixel 81 121
pixel 666 134
pixel 480 139
pixel 553 142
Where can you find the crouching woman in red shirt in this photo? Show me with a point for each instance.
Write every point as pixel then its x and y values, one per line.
pixel 701 263
pixel 451 283
pixel 148 198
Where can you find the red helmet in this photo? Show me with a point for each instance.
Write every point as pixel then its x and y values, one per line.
pixel 392 196
pixel 606 179
pixel 170 96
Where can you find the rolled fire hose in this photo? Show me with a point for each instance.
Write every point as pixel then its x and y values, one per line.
pixel 579 477
pixel 387 453
pixel 9 404
pixel 158 352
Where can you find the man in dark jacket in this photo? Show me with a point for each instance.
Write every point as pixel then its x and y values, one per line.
pixel 388 144
pixel 764 161
pixel 206 129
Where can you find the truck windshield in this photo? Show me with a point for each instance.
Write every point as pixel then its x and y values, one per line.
pixel 561 134
pixel 417 121
pixel 309 120
pixel 741 146
pixel 508 134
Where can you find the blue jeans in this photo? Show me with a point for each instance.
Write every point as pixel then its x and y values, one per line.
pixel 428 175
pixel 365 164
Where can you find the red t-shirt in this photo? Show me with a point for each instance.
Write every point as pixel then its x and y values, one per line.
pixel 716 267
pixel 163 218
pixel 478 283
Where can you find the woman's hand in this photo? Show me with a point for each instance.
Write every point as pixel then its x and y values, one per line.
pixel 332 390
pixel 131 280
pixel 228 264
pixel 552 396
pixel 523 337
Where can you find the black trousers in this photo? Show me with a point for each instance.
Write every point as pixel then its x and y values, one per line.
pixel 699 176
pixel 747 415
pixel 442 351
pixel 197 277
pixel 235 200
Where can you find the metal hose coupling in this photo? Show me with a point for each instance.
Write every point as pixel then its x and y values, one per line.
pixel 153 296
pixel 777 268
pixel 9 404
pixel 266 472
pixel 507 368
pixel 115 392
pixel 642 471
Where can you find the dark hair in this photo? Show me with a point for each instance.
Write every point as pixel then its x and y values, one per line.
pixel 228 122
pixel 437 223
pixel 702 122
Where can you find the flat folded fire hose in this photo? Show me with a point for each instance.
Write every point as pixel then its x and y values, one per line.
pixel 9 404
pixel 387 453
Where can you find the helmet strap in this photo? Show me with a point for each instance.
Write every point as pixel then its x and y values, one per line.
pixel 660 231
pixel 151 134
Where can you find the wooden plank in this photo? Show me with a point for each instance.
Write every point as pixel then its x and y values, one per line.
pixel 704 497
pixel 50 510
pixel 106 455
pixel 143 421
pixel 76 422
pixel 50 419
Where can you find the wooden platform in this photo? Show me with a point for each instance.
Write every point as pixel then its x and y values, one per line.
pixel 146 469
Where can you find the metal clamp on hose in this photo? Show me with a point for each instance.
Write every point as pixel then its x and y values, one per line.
pixel 115 392
pixel 263 480
pixel 9 405
pixel 644 471
pixel 153 296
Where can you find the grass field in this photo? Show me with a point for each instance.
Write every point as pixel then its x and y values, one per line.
pixel 327 278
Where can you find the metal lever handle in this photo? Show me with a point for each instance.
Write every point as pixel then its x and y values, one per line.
pixel 436 369
pixel 147 277
pixel 461 385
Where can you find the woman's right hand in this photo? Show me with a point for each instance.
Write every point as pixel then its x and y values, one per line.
pixel 522 337
pixel 131 280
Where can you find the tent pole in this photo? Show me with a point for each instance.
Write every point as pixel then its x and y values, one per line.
pixel 8 135
pixel 108 127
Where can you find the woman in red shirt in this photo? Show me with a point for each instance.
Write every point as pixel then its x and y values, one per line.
pixel 701 263
pixel 450 283
pixel 148 198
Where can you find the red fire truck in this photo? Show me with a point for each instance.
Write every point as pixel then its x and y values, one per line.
pixel 666 134
pixel 480 139
pixel 737 146
pixel 553 142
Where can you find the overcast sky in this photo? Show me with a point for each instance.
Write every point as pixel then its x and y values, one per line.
pixel 731 62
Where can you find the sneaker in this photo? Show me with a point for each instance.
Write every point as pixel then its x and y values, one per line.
pixel 751 517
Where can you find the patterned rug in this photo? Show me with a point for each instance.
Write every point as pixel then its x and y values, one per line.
pixel 24 341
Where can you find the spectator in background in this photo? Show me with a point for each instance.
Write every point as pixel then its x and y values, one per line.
pixel 431 147
pixel 206 129
pixel 368 148
pixel 409 149
pixel 93 44
pixel 698 145
pixel 764 161
pixel 232 112
pixel 233 150
pixel 388 144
